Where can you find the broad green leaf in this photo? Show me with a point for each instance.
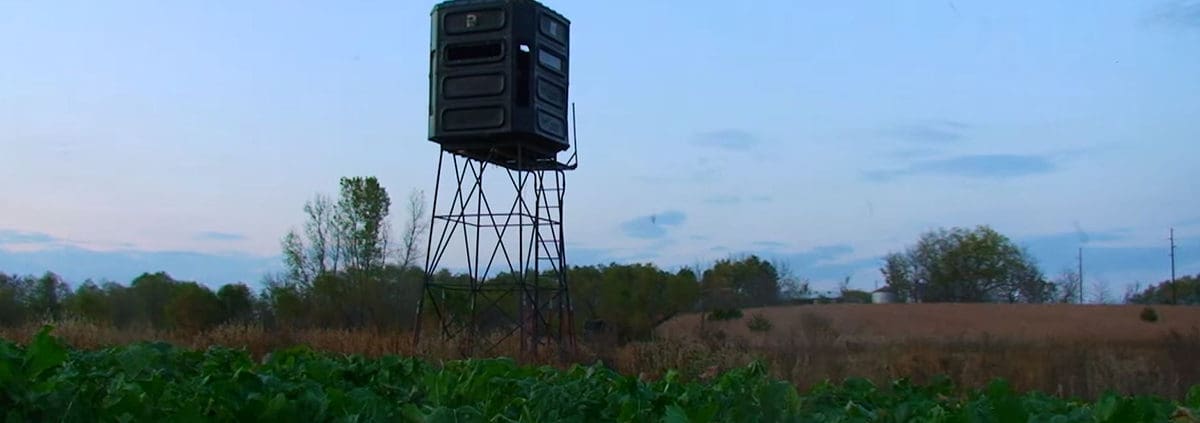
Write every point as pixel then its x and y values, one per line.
pixel 43 353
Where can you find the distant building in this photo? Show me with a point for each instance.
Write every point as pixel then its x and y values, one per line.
pixel 885 295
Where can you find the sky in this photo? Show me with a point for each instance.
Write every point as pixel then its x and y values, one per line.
pixel 186 136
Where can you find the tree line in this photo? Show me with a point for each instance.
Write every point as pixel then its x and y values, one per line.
pixel 981 265
pixel 345 268
pixel 630 299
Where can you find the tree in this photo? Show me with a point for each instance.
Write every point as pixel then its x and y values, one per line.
pixel 90 303
pixel 631 300
pixel 288 303
pixel 125 309
pixel 237 303
pixel 1100 293
pixel 414 230
pixel 966 265
pixel 150 294
pixel 749 282
pixel 362 220
pixel 46 296
pixel 1067 287
pixel 336 271
pixel 1186 289
pixel 12 307
pixel 791 286
pixel 192 308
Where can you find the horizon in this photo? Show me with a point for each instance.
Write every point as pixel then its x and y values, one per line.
pixel 186 137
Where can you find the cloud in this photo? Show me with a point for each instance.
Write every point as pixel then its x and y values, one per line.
pixel 653 226
pixel 973 166
pixel 1178 14
pixel 728 139
pixel 770 245
pixel 929 132
pixel 912 153
pixel 723 199
pixel 77 264
pixel 218 236
pixel 9 236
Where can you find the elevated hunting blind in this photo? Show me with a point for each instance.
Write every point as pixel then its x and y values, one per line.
pixel 498 81
pixel 498 77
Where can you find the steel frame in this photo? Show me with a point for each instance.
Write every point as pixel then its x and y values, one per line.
pixel 526 241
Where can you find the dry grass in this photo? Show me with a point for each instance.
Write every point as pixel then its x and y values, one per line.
pixel 1061 349
pixel 1024 322
pixel 1077 351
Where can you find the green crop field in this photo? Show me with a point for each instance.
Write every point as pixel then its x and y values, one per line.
pixel 46 381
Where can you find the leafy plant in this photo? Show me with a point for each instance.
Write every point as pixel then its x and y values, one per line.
pixel 758 323
pixel 1149 315
pixel 725 314
pixel 45 381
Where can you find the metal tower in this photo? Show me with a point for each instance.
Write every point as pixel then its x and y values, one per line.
pixel 499 77
pixel 506 224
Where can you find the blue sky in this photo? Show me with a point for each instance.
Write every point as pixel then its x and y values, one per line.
pixel 186 136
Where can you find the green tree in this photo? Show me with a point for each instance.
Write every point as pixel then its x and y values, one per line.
pixel 237 303
pixel 748 282
pixel 288 304
pixel 47 295
pixel 337 271
pixel 125 309
pixel 1186 289
pixel 193 307
pixel 12 306
pixel 89 302
pixel 631 300
pixel 362 222
pixel 150 293
pixel 966 265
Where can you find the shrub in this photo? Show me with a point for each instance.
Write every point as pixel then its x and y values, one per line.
pixel 725 314
pixel 759 324
pixel 1149 315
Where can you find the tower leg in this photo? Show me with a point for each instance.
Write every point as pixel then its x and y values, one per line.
pixel 515 277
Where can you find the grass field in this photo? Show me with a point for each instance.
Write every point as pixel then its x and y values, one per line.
pixel 888 323
pixel 1071 351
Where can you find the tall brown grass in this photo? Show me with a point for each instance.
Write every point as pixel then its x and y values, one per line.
pixel 809 352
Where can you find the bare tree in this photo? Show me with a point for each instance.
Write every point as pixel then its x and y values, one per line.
pixel 1067 287
pixel 844 286
pixel 1100 293
pixel 790 284
pixel 1131 291
pixel 295 258
pixel 325 242
pixel 415 227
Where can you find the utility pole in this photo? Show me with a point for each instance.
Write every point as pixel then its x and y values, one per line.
pixel 1081 300
pixel 1174 290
